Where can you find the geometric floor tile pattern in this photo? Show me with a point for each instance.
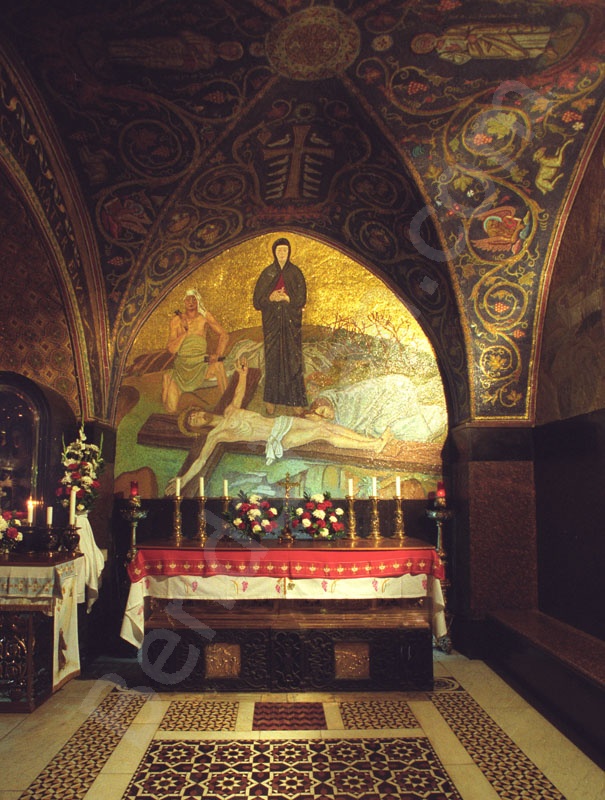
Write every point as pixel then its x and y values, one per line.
pixel 200 715
pixel 376 714
pixel 72 771
pixel 288 717
pixel 356 769
pixel 432 745
pixel 505 766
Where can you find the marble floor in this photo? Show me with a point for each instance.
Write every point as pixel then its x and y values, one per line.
pixel 481 739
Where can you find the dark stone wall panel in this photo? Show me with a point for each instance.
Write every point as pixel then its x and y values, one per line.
pixel 570 475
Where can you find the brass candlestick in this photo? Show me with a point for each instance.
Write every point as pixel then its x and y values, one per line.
pixel 50 539
pixel 351 521
pixel 177 526
pixel 70 539
pixel 201 521
pixel 134 514
pixel 226 526
pixel 374 520
pixel 399 533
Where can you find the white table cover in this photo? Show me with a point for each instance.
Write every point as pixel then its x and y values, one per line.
pixel 227 589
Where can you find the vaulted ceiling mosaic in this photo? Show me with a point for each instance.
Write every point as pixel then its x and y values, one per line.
pixel 437 142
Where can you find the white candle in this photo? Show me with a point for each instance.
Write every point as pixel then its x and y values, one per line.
pixel 30 511
pixel 49 515
pixel 374 488
pixel 201 487
pixel 72 505
pixel 397 486
pixel 350 487
pixel 225 489
pixel 177 487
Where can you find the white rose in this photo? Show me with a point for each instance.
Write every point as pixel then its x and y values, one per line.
pixel 266 523
pixel 237 521
pixel 319 513
pixel 273 511
pixel 238 506
pixel 3 524
pixel 255 498
pixel 254 512
pixel 332 518
pixel 324 532
pixel 306 523
pixel 256 528
pixel 317 498
pixel 299 511
pixel 339 511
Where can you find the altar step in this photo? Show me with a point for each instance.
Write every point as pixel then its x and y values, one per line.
pixel 281 615
pixel 561 667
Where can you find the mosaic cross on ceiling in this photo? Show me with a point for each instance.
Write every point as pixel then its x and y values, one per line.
pixel 438 142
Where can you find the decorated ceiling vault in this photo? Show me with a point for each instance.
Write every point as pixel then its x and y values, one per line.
pixel 440 144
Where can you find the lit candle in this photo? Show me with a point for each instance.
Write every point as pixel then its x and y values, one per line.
pixel 350 487
pixel 440 489
pixel 30 511
pixel 134 488
pixel 374 488
pixel 201 487
pixel 49 515
pixel 397 486
pixel 177 487
pixel 225 489
pixel 72 505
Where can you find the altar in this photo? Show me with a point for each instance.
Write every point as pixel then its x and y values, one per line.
pixel 39 595
pixel 309 615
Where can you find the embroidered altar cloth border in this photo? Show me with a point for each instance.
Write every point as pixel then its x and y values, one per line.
pixel 271 563
pixel 35 582
pixel 226 589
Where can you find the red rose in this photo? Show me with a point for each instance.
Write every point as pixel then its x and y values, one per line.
pixel 12 533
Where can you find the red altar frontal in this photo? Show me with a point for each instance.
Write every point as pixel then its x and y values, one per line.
pixel 309 615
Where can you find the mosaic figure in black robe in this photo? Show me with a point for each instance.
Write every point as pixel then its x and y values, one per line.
pixel 280 295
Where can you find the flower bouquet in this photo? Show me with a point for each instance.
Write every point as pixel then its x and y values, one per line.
pixel 82 464
pixel 253 516
pixel 10 529
pixel 319 517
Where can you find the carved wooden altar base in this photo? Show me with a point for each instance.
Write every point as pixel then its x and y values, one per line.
pixel 288 646
pixel 26 658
